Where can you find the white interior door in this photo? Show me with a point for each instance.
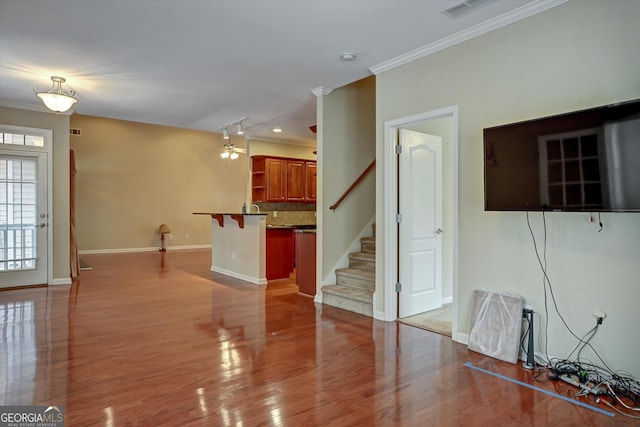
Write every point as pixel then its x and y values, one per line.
pixel 420 230
pixel 23 218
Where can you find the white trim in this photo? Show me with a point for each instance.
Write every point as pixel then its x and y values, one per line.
pixel 318 297
pixel 319 91
pixel 378 315
pixel 503 20
pixel 319 197
pixel 391 194
pixel 461 338
pixel 148 249
pixel 447 300
pixel 58 282
pixel 47 134
pixel 255 280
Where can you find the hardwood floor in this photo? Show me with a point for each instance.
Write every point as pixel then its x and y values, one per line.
pixel 149 339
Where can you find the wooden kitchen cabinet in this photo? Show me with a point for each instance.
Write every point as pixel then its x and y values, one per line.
pixel 278 179
pixel 280 253
pixel 296 185
pixel 311 172
pixel 268 179
pixel 306 262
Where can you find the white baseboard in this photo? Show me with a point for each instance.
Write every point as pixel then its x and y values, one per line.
pixel 379 315
pixel 447 300
pixel 62 281
pixel 131 250
pixel 256 280
pixel 461 338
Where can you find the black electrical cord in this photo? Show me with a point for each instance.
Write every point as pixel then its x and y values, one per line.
pixel 601 380
pixel 600 222
pixel 525 335
pixel 582 342
pixel 595 330
pixel 547 281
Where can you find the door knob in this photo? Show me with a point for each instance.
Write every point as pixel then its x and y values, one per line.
pixel 439 231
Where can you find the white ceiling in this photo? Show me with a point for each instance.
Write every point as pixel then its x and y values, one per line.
pixel 201 64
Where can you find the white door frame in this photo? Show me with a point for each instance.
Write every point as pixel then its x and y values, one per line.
pixel 391 196
pixel 48 149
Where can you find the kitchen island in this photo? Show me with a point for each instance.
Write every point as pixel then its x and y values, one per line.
pixel 238 245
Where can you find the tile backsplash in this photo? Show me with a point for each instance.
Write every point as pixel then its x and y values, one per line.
pixel 290 217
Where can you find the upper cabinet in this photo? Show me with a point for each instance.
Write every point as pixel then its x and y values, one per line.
pixel 278 179
pixel 311 171
pixel 296 184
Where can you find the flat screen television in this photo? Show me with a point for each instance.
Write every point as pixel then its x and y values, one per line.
pixel 583 161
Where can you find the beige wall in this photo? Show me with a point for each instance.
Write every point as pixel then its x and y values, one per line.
pixel 269 148
pixel 348 147
pixel 133 176
pixel 574 56
pixel 59 124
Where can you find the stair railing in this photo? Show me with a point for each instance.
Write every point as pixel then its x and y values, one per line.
pixel 354 185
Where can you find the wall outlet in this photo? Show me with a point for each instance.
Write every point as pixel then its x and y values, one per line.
pixel 275 214
pixel 187 236
pixel 599 314
pixel 233 255
pixel 170 236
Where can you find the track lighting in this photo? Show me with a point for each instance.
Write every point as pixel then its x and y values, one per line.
pixel 239 127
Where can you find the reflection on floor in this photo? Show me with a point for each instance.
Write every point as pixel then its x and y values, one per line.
pixel 438 320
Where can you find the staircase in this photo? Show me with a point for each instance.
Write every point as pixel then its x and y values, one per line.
pixel 355 284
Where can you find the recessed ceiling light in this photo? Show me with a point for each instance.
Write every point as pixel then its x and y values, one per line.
pixel 277 130
pixel 347 56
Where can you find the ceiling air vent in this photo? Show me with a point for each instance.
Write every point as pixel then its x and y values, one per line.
pixel 75 131
pixel 465 7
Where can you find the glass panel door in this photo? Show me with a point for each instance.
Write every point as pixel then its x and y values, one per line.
pixel 23 221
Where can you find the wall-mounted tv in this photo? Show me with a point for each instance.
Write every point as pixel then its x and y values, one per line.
pixel 583 161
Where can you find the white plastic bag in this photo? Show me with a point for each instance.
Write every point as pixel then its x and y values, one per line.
pixel 496 324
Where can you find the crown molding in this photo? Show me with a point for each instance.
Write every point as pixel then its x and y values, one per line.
pixel 503 20
pixel 319 91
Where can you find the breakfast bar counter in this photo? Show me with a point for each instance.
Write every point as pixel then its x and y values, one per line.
pixel 238 245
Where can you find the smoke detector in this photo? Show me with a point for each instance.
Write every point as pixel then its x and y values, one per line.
pixel 347 56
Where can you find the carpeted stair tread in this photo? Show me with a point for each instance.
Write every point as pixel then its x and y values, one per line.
pixel 364 256
pixel 349 292
pixel 357 273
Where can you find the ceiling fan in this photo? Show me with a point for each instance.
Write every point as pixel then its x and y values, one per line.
pixel 231 152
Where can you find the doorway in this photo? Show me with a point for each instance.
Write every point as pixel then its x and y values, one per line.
pixel 25 236
pixel 441 123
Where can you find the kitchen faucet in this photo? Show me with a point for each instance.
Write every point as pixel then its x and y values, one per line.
pixel 257 208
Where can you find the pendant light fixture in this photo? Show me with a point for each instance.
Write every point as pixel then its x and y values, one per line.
pixel 56 99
